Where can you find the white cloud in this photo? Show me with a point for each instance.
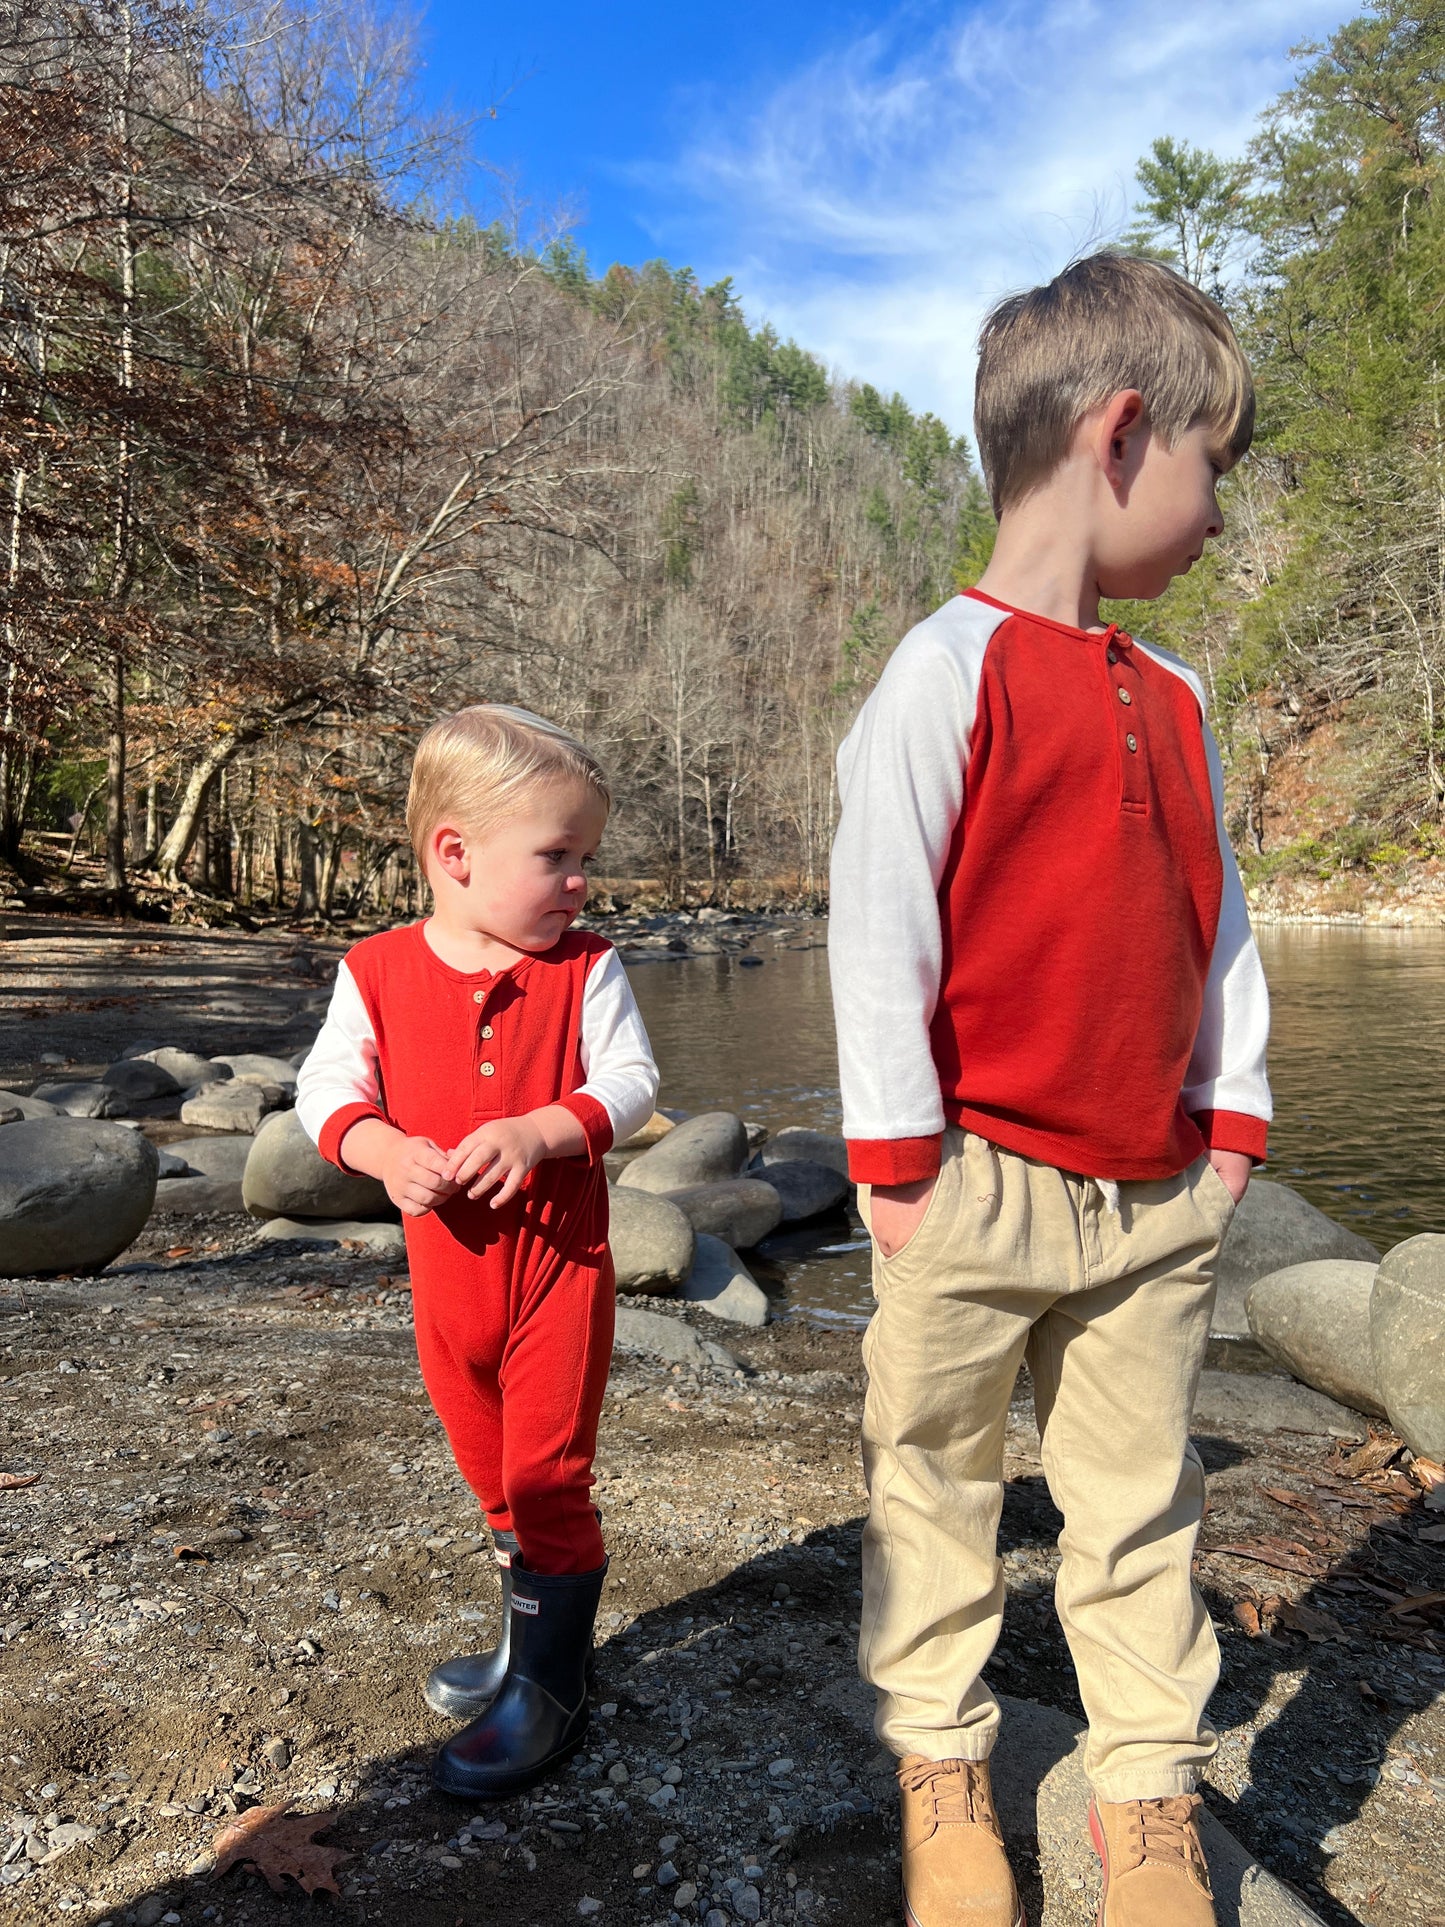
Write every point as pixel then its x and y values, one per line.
pixel 876 203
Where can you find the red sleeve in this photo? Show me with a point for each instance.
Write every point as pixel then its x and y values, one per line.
pixel 894 1160
pixel 336 1127
pixel 1234 1131
pixel 594 1120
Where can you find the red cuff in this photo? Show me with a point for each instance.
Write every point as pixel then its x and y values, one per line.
pixel 336 1127
pixel 894 1160
pixel 1233 1131
pixel 595 1121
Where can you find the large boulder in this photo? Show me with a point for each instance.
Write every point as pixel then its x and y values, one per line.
pixel 74 1193
pixel 187 1067
pixel 794 1142
pixel 652 1242
pixel 287 1177
pixel 721 1283
pixel 231 1106
pixel 26 1106
pixel 140 1078
pixel 198 1197
pixel 215 1157
pixel 251 1067
pixel 1407 1334
pixel 87 1099
pixel 210 1181
pixel 1275 1227
pixel 1314 1320
pixel 1229 1403
pixel 806 1190
pixel 741 1211
pixel 703 1150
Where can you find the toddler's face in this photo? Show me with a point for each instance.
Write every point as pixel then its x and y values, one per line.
pixel 528 877
pixel 1169 512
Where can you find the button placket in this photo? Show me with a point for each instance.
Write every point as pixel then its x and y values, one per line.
pixel 1133 776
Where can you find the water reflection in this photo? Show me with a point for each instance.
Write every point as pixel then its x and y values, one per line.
pixel 1357 1062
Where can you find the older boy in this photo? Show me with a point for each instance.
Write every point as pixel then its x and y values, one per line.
pixel 1051 1025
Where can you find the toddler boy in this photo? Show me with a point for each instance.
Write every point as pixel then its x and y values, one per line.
pixel 1051 1026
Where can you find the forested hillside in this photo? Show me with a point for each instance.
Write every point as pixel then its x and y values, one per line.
pixel 292 465
pixel 292 462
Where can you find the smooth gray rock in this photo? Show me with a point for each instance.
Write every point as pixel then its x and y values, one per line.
pixel 187 1067
pixel 140 1077
pixel 199 1197
pixel 1231 1402
pixel 382 1240
pixel 287 1177
pixel 1314 1319
pixel 652 1241
pixel 74 1193
pixel 703 1150
pixel 215 1157
pixel 142 1047
pixel 1407 1334
pixel 251 1067
pixel 741 1211
pixel 172 1166
pixel 806 1190
pixel 231 1106
pixel 659 1336
pixel 721 1283
pixel 84 1099
pixel 27 1106
pixel 1274 1227
pixel 794 1142
pixel 1038 1779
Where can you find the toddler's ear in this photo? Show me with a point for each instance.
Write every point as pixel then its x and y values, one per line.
pixel 447 849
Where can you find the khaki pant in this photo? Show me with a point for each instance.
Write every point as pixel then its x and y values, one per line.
pixel 1016 1260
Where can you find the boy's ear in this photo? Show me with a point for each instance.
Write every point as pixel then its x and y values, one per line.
pixel 1123 422
pixel 446 847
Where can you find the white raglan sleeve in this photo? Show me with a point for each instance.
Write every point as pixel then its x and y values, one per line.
pixel 338 1084
pixel 620 1076
pixel 901 786
pixel 1226 1088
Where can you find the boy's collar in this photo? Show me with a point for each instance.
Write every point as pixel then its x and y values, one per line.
pixel 1111 633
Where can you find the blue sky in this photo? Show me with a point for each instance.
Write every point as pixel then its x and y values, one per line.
pixel 871 176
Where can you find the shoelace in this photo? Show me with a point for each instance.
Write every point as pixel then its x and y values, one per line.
pixel 950 1786
pixel 1166 1829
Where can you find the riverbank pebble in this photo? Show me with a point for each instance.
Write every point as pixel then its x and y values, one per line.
pixel 796 1142
pixel 225 1105
pixel 1314 1319
pixel 89 1098
pixel 805 1190
pixel 381 1239
pixel 286 1176
pixel 140 1078
pixel 652 1241
pixel 740 1211
pixel 721 1283
pixel 1407 1334
pixel 706 1149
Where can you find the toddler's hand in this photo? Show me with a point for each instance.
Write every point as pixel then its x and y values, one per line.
pixel 1235 1167
pixel 498 1154
pixel 414 1171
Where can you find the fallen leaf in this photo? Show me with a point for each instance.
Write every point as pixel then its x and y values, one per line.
pixel 1246 1614
pixel 1415 1603
pixel 190 1552
pixel 1427 1472
pixel 1378 1450
pixel 1315 1626
pixel 12 1481
pixel 1294 1500
pixel 180 1251
pixel 278 1847
pixel 1283 1555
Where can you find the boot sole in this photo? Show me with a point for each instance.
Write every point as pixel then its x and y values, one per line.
pixel 911 1919
pixel 516 1783
pixel 454 1706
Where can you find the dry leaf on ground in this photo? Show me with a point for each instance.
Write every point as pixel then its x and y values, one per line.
pixel 1378 1450
pixel 12 1481
pixel 1314 1625
pixel 1284 1555
pixel 279 1847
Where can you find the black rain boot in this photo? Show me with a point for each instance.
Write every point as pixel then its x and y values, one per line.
pixel 461 1688
pixel 539 1717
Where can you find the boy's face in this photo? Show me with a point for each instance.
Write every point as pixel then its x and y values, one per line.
pixel 1164 509
pixel 526 876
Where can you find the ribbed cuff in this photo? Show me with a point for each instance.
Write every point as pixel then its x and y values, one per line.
pixel 595 1121
pixel 894 1160
pixel 334 1130
pixel 1234 1131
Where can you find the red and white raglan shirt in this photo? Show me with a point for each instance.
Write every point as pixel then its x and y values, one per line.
pixel 1038 931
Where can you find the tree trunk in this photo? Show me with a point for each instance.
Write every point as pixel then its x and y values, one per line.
pixel 308 899
pixel 115 800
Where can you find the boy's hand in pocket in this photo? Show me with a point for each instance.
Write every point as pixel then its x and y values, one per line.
pixel 895 1212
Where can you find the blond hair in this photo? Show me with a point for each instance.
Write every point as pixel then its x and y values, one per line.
pixel 1106 323
pixel 483 762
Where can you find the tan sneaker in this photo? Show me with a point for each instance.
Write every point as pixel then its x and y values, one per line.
pixel 1154 1870
pixel 955 1871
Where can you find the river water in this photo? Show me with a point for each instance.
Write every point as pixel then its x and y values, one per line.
pixel 1357 1062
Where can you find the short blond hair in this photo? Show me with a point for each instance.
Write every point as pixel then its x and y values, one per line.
pixel 1108 322
pixel 482 763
